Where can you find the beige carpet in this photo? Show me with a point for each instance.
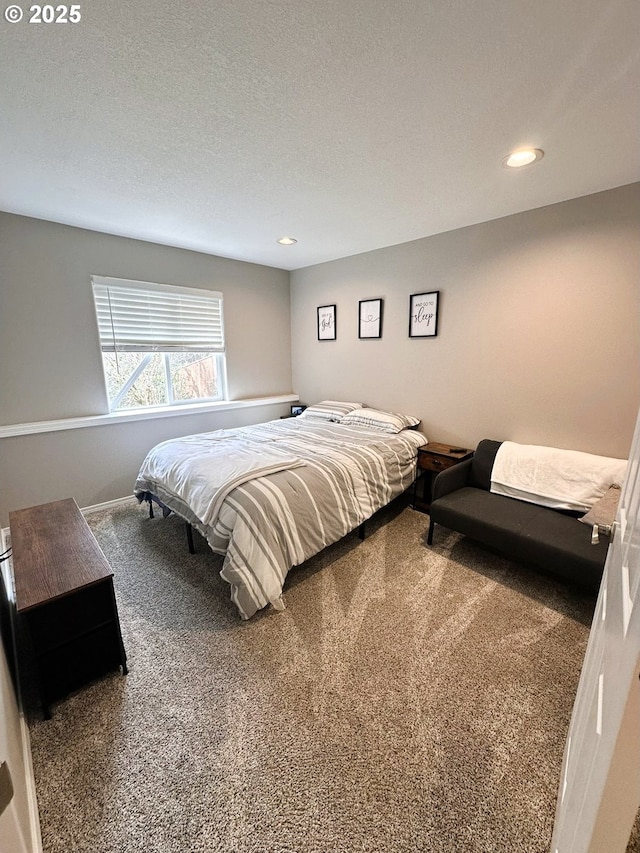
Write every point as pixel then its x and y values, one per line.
pixel 408 699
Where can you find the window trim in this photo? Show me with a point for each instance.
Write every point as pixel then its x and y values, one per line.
pixel 139 306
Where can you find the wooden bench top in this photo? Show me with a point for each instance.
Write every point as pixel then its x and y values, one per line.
pixel 54 553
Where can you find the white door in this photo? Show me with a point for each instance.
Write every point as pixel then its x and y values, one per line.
pixel 19 827
pixel 599 791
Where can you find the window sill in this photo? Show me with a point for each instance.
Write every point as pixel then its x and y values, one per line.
pixel 142 414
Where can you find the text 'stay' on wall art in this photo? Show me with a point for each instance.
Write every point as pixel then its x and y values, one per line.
pixel 370 318
pixel 423 314
pixel 327 323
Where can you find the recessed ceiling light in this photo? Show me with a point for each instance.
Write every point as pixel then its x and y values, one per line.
pixel 286 241
pixel 524 157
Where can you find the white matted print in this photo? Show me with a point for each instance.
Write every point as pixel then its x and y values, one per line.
pixel 370 318
pixel 327 323
pixel 423 314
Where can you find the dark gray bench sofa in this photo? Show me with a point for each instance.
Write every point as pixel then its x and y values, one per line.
pixel 547 539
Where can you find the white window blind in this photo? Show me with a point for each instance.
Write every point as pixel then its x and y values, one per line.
pixel 139 316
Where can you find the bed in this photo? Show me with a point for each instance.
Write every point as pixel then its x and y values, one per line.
pixel 270 496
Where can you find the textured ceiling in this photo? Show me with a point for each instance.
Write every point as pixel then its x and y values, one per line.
pixel 348 124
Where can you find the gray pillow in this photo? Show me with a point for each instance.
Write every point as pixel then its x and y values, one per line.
pixel 391 422
pixel 603 512
pixel 330 410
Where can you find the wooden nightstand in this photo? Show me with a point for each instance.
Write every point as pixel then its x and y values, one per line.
pixel 433 458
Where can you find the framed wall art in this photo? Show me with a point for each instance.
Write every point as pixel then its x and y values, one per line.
pixel 370 318
pixel 327 323
pixel 423 314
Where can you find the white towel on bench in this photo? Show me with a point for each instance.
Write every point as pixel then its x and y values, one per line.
pixel 561 479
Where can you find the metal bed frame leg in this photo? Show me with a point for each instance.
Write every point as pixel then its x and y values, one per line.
pixel 192 550
pixel 150 502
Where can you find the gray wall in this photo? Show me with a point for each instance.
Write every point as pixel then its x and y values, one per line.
pixel 538 336
pixel 50 361
pixel 96 464
pixel 50 364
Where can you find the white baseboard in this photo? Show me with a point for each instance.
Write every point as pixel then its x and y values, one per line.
pixel 129 499
pixel 87 510
pixel 32 797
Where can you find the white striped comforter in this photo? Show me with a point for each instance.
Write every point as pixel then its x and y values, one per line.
pixel 271 522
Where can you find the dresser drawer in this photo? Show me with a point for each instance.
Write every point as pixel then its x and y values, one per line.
pixel 431 462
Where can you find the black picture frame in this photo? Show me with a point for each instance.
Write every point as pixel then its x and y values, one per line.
pixel 423 314
pixel 370 318
pixel 327 322
pixel 297 409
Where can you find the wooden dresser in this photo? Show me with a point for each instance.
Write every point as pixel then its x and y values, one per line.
pixel 65 602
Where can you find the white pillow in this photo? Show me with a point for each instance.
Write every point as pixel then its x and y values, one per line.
pixel 377 419
pixel 329 410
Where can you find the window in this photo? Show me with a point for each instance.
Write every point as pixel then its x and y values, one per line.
pixel 161 345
